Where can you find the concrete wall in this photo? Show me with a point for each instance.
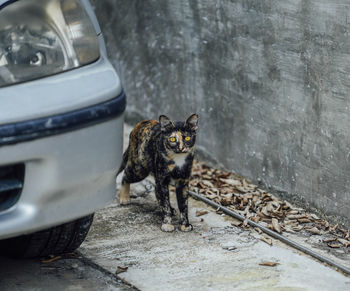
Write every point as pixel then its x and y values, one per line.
pixel 269 79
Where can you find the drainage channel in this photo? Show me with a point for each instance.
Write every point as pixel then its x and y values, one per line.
pixel 271 233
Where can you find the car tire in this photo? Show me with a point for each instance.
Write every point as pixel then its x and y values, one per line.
pixel 60 239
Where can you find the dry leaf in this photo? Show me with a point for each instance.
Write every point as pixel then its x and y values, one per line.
pixel 287 204
pixel 326 224
pixel 245 222
pixel 297 228
pixel 215 190
pixel 242 189
pixel 297 216
pixel 269 264
pixel 236 222
pixel 201 212
pixel 255 218
pixel 225 190
pixel 304 220
pixel 334 245
pixel 225 201
pixel 121 270
pixel 268 240
pixel 245 198
pixel 265 212
pixel 288 229
pixel 291 222
pixel 51 259
pixel 275 225
pixel 314 216
pixel 255 198
pixel 343 230
pixel 211 196
pixel 246 210
pixel 329 240
pixel 258 230
pixel 208 183
pixel 231 182
pixel 333 228
pixel 248 196
pixel 344 242
pixel 314 230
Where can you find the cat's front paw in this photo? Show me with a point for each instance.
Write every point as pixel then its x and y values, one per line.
pixel 124 201
pixel 167 227
pixel 186 227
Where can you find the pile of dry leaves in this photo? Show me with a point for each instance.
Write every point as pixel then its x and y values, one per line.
pixel 260 206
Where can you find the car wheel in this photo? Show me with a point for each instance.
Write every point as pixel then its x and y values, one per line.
pixel 60 239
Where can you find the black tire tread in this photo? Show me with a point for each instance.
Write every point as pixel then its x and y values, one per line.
pixel 82 227
pixel 60 239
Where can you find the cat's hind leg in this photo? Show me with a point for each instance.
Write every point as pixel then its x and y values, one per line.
pixel 124 194
pixel 124 161
pixel 132 174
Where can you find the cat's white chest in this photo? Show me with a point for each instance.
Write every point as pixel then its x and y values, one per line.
pixel 180 159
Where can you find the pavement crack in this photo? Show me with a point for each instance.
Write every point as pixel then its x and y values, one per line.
pixel 106 272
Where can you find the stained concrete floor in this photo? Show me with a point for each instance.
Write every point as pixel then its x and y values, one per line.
pixel 214 256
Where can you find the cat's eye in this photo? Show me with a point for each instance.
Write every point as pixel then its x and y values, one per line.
pixel 187 138
pixel 172 139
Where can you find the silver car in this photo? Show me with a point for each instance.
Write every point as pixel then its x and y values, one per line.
pixel 61 125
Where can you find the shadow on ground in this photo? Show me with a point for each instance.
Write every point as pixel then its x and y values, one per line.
pixel 62 274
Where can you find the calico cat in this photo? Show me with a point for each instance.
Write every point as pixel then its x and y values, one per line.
pixel 164 149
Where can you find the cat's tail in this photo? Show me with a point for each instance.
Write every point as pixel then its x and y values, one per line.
pixel 125 160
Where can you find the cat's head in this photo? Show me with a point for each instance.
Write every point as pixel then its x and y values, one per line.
pixel 179 136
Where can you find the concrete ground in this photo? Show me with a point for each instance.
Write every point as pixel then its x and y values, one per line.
pixel 214 256
pixel 71 274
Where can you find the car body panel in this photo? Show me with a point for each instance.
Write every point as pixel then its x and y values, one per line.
pixel 60 93
pixel 67 176
pixel 69 173
pixel 61 123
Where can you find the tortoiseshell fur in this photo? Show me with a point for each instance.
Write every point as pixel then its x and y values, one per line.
pixel 160 149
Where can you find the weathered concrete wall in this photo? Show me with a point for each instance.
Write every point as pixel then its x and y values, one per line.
pixel 269 79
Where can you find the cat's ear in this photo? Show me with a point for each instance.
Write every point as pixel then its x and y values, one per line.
pixel 192 122
pixel 165 122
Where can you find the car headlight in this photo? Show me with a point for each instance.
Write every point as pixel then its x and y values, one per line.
pixel 44 37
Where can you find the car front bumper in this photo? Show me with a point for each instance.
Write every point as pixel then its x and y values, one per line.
pixel 67 176
pixel 70 160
